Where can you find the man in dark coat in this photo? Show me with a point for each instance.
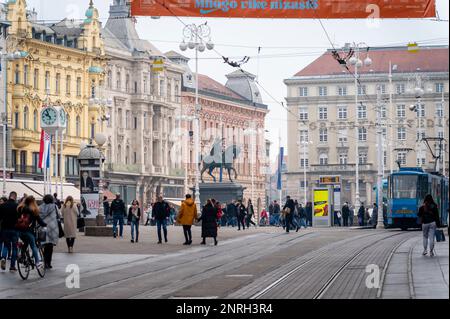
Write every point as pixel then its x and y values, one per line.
pixel 361 214
pixel 106 208
pixel 289 219
pixel 241 214
pixel 161 213
pixel 8 233
pixel 118 212
pixel 345 214
pixel 209 222
pixel 232 214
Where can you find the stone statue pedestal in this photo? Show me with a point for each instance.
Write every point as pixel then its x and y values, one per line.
pixel 222 192
pixel 97 228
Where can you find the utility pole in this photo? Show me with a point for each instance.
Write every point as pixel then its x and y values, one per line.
pixel 443 132
pixel 380 223
pixel 391 128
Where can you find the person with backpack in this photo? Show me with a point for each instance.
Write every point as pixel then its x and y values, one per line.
pixel 50 215
pixel 26 225
pixel 8 233
pixel 134 216
pixel 429 218
pixel 70 214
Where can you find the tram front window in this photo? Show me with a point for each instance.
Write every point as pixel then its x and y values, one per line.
pixel 404 186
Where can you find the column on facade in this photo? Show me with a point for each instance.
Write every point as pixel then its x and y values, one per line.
pixel 368 193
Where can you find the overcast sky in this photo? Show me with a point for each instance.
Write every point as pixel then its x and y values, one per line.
pixel 286 45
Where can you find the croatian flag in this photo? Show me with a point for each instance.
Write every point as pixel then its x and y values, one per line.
pixel 44 152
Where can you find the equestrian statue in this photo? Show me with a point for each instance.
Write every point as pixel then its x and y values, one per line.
pixel 220 159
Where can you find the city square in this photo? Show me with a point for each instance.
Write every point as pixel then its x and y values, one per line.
pixel 198 150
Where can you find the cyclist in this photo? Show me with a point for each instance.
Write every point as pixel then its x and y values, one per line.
pixel 26 225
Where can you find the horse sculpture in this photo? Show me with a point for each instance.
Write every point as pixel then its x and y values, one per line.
pixel 218 159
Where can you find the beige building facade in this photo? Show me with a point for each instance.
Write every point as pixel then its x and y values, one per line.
pixel 324 122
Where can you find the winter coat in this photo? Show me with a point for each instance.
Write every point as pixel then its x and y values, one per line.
pixel 291 205
pixel 70 216
pixel 118 208
pixel 250 211
pixel 50 216
pixel 188 213
pixel 130 214
pixel 429 213
pixel 301 212
pixel 231 210
pixel 209 221
pixel 242 211
pixel 345 211
pixel 8 215
pixel 161 210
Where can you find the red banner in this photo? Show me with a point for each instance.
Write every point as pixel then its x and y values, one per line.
pixel 306 9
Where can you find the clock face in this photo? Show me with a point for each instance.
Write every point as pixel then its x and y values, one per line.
pixel 49 116
pixel 63 117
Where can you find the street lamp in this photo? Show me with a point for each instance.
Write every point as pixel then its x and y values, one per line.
pixel 305 144
pixel 195 37
pixel 4 118
pixel 356 61
pixel 251 132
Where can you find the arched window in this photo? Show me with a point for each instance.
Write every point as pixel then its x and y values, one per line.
pixel 35 120
pixel 93 89
pixel 127 83
pixel 25 117
pixel 17 75
pixel 77 126
pixel 118 80
pixel 323 159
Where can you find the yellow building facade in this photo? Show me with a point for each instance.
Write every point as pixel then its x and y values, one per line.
pixel 60 64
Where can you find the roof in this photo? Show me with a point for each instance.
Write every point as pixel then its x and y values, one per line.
pixel 205 83
pixel 174 54
pixel 428 59
pixel 67 27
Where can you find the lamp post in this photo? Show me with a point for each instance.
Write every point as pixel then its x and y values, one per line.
pixel 184 152
pixel 5 57
pixel 251 132
pixel 358 63
pixel 195 37
pixel 305 144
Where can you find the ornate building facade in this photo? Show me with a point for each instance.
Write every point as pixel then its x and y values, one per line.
pixel 60 64
pixel 323 118
pixel 146 102
pixel 232 113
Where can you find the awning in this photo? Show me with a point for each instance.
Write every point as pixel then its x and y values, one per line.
pixel 36 189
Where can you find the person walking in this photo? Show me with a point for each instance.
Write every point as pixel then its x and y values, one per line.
pixel 161 212
pixel 250 213
pixel 276 213
pixel 28 212
pixel 8 233
pixel 118 212
pixel 242 213
pixel 345 214
pixel 186 217
pixel 429 218
pixel 231 214
pixel 264 218
pixel 289 209
pixel 149 214
pixel 69 213
pixel 302 217
pixel 134 217
pixel 309 213
pixel 50 215
pixel 374 217
pixel 361 214
pixel 351 218
pixel 56 200
pixel 209 222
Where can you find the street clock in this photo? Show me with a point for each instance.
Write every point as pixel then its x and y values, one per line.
pixel 53 119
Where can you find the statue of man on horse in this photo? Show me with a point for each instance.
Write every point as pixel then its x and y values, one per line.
pixel 219 158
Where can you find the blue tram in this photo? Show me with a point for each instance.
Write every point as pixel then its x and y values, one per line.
pixel 406 190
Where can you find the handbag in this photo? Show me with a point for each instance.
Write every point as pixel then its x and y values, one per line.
pixel 42 235
pixel 439 235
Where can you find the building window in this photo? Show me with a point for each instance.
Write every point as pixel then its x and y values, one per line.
pixel 303 113
pixel 77 126
pixel 127 83
pixel 16 120
pixel 67 124
pixel 323 159
pixel 362 111
pixel 323 91
pixel 25 74
pixel 421 110
pixel 420 135
pixel 362 134
pixel 47 81
pixel 35 120
pixel 439 87
pixel 323 135
pixel 36 79
pixel 383 88
pixel 58 83
pixel 383 112
pixel 134 158
pixel 135 124
pixel 119 154
pixel 439 110
pixel 303 91
pixel 343 159
pixel 342 112
pixel 17 75
pixel 68 84
pixel 145 83
pixel 25 117
pixel 78 86
pixel 342 137
pixel 401 110
pixel 304 136
pixel 421 160
pixel 118 81
pixel 127 119
pixel 401 133
pixel 401 158
pixel 71 166
pixel 342 90
pixel 362 158
pixel 323 113
pixel 35 161
pixel 400 88
pixel 304 162
pixel 93 89
pixel 384 158
pixel 361 89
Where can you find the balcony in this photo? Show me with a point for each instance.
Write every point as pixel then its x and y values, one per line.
pixel 176 172
pixel 23 138
pixel 124 168
pixel 27 172
pixel 339 168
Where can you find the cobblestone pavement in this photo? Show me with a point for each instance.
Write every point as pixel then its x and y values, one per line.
pixel 258 263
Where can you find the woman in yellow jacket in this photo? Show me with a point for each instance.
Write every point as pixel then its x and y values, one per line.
pixel 186 217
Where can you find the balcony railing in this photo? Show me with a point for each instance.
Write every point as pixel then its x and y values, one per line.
pixel 339 168
pixel 124 168
pixel 28 170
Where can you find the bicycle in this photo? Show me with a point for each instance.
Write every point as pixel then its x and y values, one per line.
pixel 25 260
